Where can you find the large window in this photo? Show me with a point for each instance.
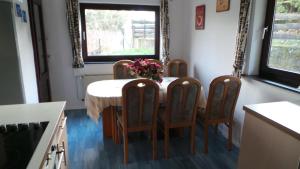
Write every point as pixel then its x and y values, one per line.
pixel 113 32
pixel 280 59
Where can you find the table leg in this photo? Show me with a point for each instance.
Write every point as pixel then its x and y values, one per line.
pixel 110 124
pixel 180 132
pixel 114 125
pixel 107 122
pixel 177 132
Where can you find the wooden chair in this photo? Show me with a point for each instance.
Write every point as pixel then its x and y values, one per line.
pixel 181 109
pixel 177 68
pixel 222 98
pixel 121 71
pixel 139 113
pixel 156 61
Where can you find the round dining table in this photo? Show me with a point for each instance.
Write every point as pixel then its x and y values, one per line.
pixel 103 96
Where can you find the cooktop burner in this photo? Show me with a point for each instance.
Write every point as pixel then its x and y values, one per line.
pixel 18 142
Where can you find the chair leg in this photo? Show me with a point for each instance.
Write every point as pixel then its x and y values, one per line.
pixel 119 133
pixel 166 142
pixel 216 129
pixel 154 144
pixel 180 132
pixel 229 137
pixel 193 134
pixel 206 138
pixel 125 135
pixel 150 135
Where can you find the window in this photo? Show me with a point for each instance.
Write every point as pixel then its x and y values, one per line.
pixel 113 32
pixel 280 59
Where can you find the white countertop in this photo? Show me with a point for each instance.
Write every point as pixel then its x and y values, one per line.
pixel 26 113
pixel 283 115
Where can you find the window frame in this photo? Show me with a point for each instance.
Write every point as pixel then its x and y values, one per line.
pixel 113 58
pixel 277 75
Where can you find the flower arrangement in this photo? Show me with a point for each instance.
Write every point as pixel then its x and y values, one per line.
pixel 147 69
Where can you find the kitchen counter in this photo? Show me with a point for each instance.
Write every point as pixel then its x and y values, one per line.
pixel 26 113
pixel 283 115
pixel 271 136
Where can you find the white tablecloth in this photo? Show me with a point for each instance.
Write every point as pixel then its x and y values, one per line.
pixel 105 93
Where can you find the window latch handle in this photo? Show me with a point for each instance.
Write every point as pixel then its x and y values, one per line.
pixel 83 35
pixel 264 32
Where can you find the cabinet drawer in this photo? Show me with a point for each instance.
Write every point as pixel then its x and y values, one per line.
pixel 62 124
pixel 62 149
pixel 62 141
pixel 63 146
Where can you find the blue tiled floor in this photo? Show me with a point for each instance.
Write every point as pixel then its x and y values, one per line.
pixel 89 150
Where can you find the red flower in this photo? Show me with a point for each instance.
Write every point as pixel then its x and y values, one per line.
pixel 147 69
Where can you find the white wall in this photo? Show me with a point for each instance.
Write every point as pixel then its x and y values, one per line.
pixel 255 37
pixel 26 56
pixel 62 76
pixel 132 2
pixel 177 27
pixel 62 81
pixel 211 53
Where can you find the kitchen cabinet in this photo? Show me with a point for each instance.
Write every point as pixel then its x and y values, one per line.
pixel 37 132
pixel 57 153
pixel 271 136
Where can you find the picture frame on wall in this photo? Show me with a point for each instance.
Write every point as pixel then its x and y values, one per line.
pixel 223 5
pixel 18 10
pixel 24 16
pixel 200 17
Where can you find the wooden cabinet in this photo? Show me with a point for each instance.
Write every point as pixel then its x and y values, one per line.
pixel 57 154
pixel 271 137
pixel 50 117
pixel 62 142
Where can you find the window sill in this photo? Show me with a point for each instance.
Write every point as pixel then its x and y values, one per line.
pixel 90 63
pixel 276 84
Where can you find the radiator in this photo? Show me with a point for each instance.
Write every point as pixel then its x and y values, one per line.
pixel 84 81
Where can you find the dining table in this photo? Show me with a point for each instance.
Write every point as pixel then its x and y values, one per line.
pixel 102 98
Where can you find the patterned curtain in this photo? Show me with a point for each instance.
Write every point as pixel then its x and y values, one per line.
pixel 73 23
pixel 242 37
pixel 165 29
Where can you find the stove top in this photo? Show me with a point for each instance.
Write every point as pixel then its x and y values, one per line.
pixel 18 142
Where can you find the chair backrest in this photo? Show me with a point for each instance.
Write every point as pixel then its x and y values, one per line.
pixel 156 61
pixel 222 98
pixel 177 68
pixel 182 101
pixel 121 71
pixel 140 103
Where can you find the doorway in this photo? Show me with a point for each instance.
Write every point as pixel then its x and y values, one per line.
pixel 40 51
